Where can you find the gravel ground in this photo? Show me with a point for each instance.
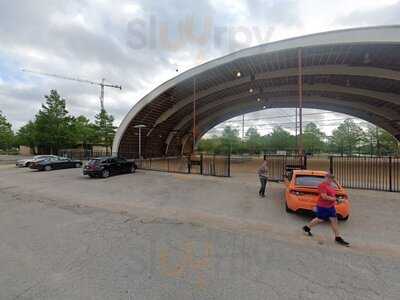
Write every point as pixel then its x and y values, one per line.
pixel 155 235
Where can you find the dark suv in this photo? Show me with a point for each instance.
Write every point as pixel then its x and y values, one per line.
pixel 107 166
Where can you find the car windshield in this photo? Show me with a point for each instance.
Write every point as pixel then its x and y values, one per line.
pixel 95 161
pixel 311 180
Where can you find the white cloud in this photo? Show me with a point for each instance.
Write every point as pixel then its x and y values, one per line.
pixel 89 39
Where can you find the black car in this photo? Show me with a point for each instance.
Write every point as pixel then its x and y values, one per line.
pixel 54 163
pixel 107 166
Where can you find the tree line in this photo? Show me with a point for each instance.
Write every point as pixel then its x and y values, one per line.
pixel 347 139
pixel 53 128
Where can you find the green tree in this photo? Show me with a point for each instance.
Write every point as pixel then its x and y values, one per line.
pixel 230 141
pixel 313 138
pixel 389 144
pixel 54 129
pixel 6 133
pixel 105 128
pixel 279 139
pixel 380 142
pixel 26 136
pixel 84 132
pixel 210 145
pixel 254 141
pixel 347 137
pixel 53 125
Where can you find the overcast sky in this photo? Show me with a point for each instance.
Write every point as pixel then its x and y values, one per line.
pixel 140 44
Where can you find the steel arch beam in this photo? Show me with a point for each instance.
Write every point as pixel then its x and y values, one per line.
pixel 213 120
pixel 386 113
pixel 216 119
pixel 314 70
pixel 371 35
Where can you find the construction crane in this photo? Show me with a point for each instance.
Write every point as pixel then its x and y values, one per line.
pixel 102 84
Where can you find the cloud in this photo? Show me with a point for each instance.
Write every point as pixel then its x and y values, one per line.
pixel 282 12
pixel 96 39
pixel 386 15
pixel 90 39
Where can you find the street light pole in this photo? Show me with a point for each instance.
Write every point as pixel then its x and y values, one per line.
pixel 140 138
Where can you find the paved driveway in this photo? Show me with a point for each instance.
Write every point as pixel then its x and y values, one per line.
pixel 162 236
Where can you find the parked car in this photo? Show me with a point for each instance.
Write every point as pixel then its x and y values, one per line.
pixel 54 163
pixel 107 166
pixel 302 193
pixel 26 162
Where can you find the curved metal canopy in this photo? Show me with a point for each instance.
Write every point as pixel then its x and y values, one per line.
pixel 354 71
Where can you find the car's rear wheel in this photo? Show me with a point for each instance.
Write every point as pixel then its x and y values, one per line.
pixel 78 165
pixel 28 164
pixel 47 168
pixel 105 174
pixel 288 210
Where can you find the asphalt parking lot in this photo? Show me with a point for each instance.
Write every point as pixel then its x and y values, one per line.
pixel 155 235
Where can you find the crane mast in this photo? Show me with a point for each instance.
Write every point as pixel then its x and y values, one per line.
pixel 102 84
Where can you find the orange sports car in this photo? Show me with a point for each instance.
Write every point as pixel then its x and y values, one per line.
pixel 302 193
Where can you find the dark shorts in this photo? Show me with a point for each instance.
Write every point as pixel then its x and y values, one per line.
pixel 324 213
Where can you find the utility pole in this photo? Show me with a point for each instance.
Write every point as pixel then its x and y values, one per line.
pixel 102 84
pixel 243 128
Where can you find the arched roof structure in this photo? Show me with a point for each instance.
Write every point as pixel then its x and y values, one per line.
pixel 355 71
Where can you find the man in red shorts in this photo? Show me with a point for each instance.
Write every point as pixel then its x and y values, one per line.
pixel 326 209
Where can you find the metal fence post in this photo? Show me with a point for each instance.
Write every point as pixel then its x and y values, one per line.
pixel 213 166
pixel 390 174
pixel 283 170
pixel 305 162
pixel 331 164
pixel 229 165
pixel 201 163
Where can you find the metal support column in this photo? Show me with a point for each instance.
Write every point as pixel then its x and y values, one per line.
pixel 296 134
pixel 300 56
pixel 140 142
pixel 194 114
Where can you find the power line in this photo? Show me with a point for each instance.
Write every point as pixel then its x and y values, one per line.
pixel 277 117
pixel 336 121
pixel 291 124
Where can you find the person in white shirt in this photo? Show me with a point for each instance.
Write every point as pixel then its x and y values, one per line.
pixel 263 175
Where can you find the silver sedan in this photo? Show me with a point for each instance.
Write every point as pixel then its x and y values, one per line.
pixel 26 162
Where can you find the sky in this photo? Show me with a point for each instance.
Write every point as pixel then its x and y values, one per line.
pixel 140 44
